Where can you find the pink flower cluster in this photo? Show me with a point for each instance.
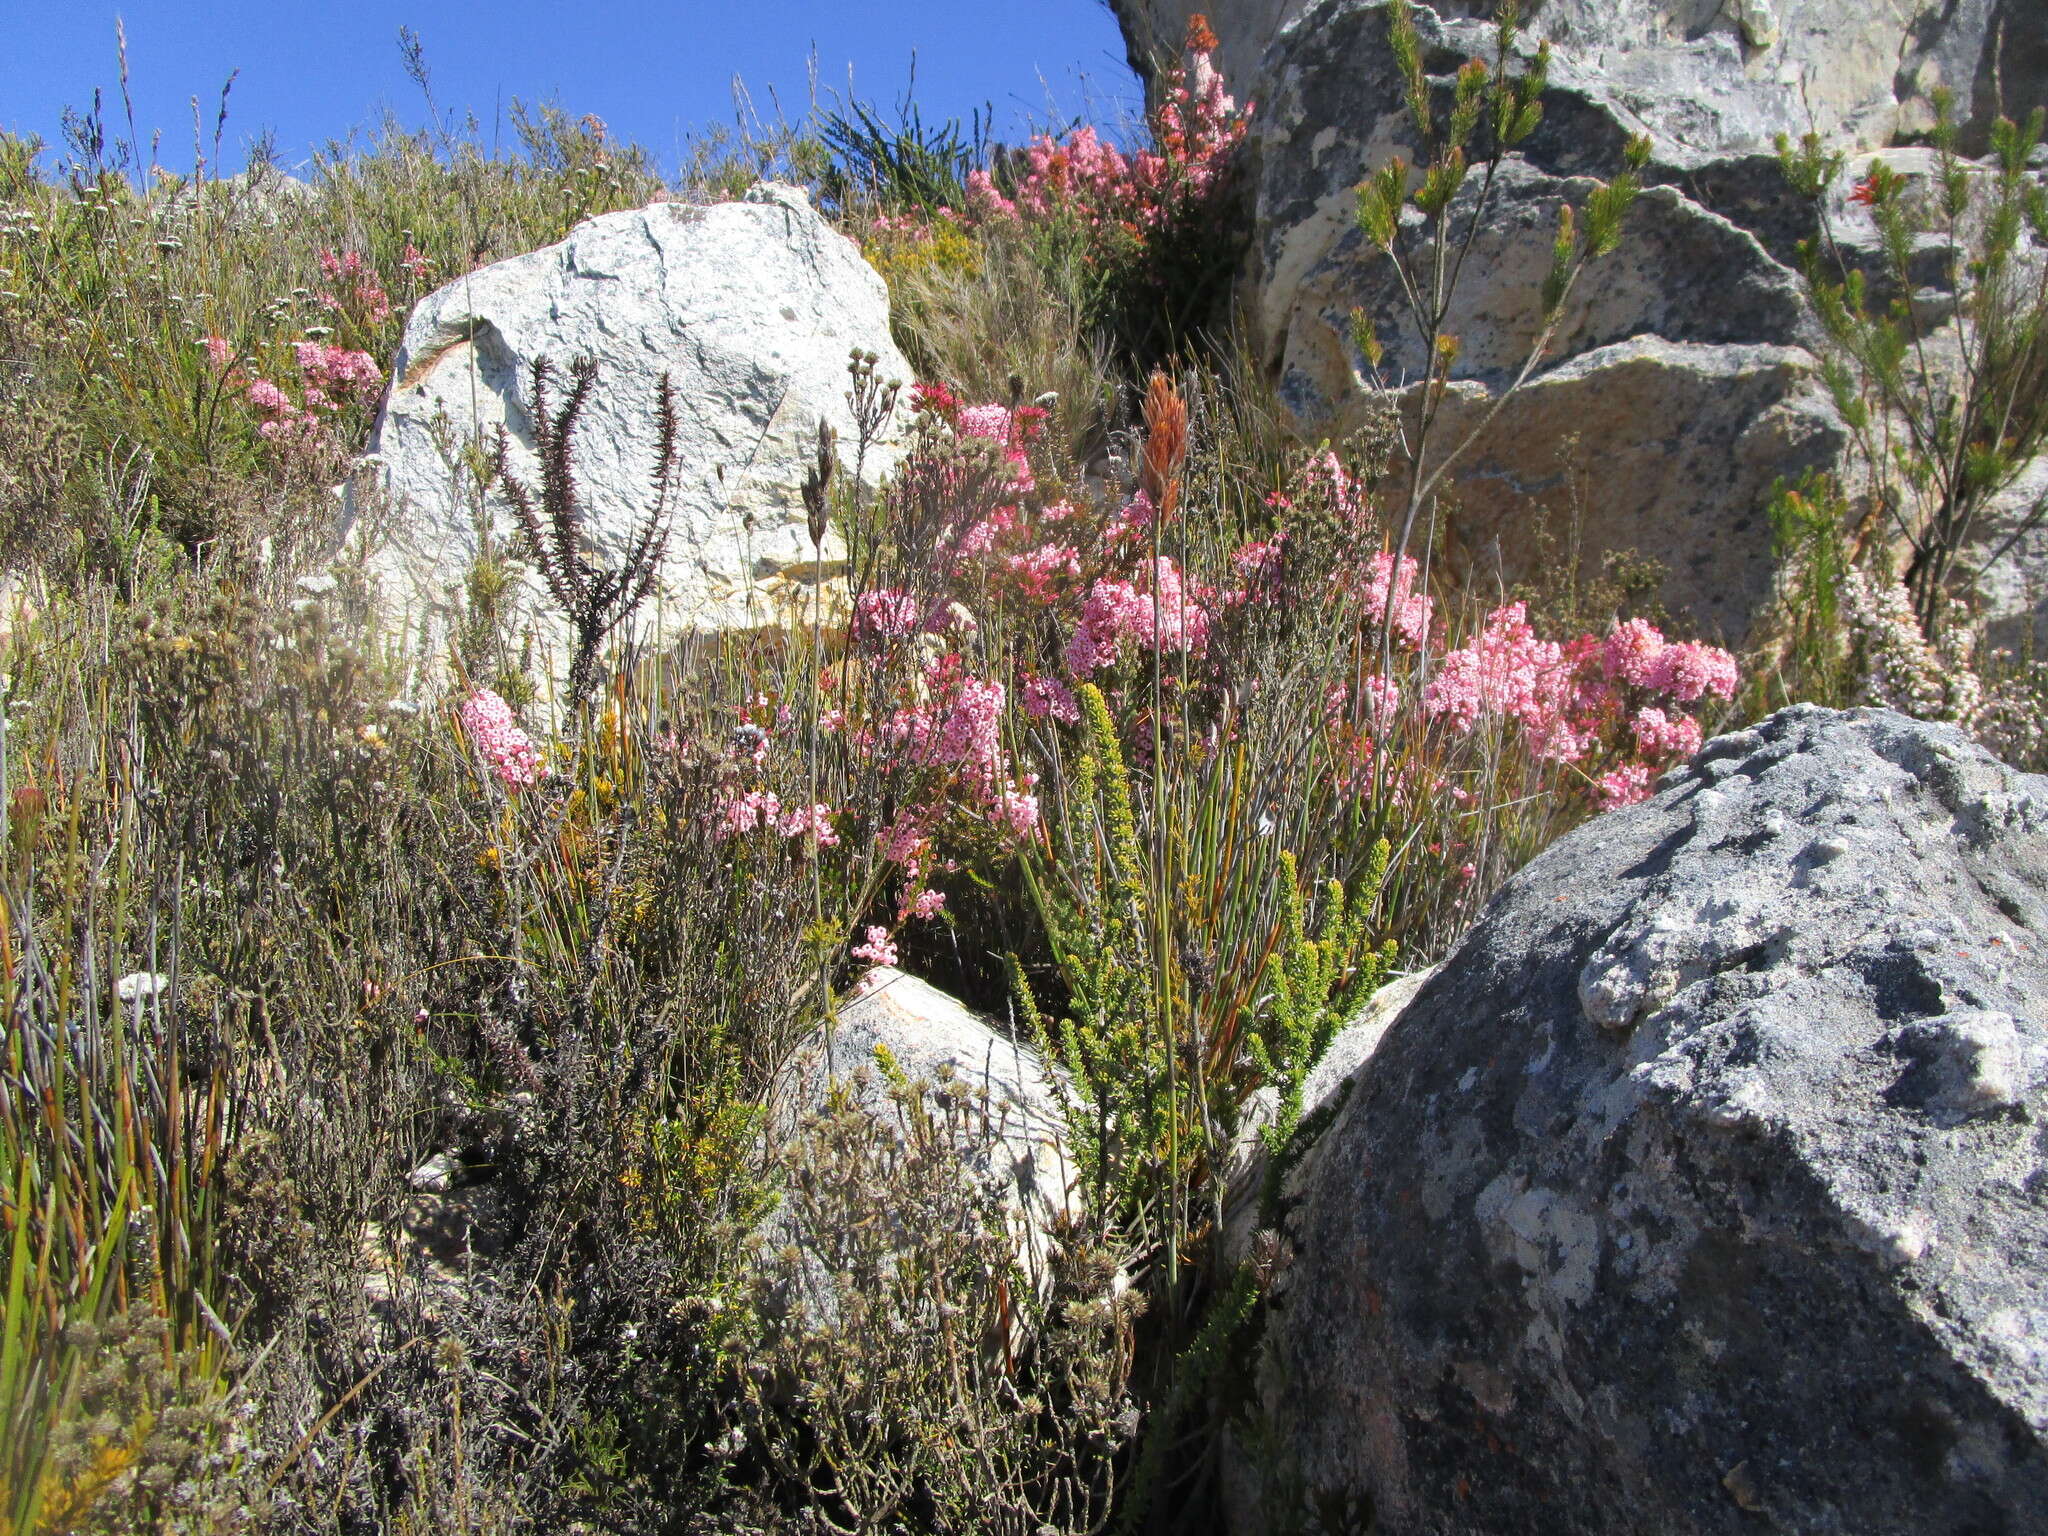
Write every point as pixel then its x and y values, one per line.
pixel 362 296
pixel 330 378
pixel 969 735
pixel 1504 670
pixel 1626 785
pixel 1660 735
pixel 957 730
pixel 334 374
pixel 1572 699
pixel 1165 616
pixel 1038 573
pixel 1392 599
pixel 955 739
pixel 1324 482
pixel 882 618
pixel 877 948
pixel 1195 129
pixel 1637 654
pixel 495 733
pixel 1048 697
pixel 759 809
pixel 1014 430
pixel 1261 559
pixel 900 226
pixel 1017 808
pixel 1041 556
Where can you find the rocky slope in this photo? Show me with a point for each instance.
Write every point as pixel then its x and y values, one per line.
pixel 1718 74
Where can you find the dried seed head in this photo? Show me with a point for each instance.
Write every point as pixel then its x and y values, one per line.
pixel 1166 444
pixel 818 482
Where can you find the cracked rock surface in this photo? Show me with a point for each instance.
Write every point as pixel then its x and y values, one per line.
pixel 1703 1188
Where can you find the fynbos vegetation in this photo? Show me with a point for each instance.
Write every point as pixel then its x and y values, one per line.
pixel 388 1136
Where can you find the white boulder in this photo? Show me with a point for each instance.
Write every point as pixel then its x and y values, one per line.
pixel 1007 1131
pixel 751 308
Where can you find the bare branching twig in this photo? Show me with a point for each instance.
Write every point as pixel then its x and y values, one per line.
pixel 596 600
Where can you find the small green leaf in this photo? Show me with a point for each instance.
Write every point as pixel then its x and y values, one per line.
pixel 1366 339
pixel 1441 183
pixel 1563 253
pixel 1469 98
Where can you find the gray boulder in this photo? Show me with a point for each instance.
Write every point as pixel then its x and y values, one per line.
pixel 1704 1188
pixel 751 307
pixel 1675 447
pixel 1680 371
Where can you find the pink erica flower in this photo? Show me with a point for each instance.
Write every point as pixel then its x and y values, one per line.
pixel 970 735
pixel 811 822
pixel 1659 735
pixel 1168 618
pixel 1382 699
pixel 905 841
pixel 1632 647
pixel 362 292
pixel 882 617
pixel 337 371
pixel 511 754
pixel 1012 432
pixel 1048 696
pixel 1392 600
pixel 1261 558
pixel 985 204
pixel 1504 670
pixel 1018 809
pixel 878 949
pixel 1038 571
pixel 266 396
pixel 1626 785
pixel 1687 671
pixel 744 813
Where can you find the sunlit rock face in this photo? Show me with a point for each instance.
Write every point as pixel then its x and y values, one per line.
pixel 1685 380
pixel 751 309
pixel 1702 1185
pixel 1716 74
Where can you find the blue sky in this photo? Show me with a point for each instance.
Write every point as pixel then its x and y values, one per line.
pixel 653 71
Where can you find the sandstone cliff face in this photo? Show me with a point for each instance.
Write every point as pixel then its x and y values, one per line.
pixel 1703 1188
pixel 1718 74
pixel 1683 380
